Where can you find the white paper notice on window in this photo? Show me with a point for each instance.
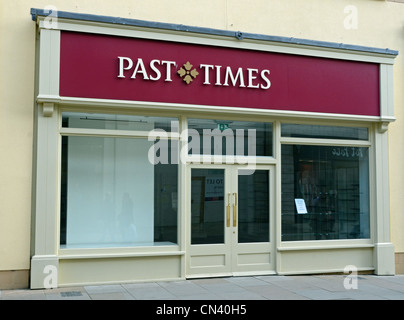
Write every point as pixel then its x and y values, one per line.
pixel 300 206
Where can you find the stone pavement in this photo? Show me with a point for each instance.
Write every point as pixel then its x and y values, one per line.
pixel 313 287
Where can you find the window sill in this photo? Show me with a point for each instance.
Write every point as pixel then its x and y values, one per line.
pixel 120 252
pixel 325 246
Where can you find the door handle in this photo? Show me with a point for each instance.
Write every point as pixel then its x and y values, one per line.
pixel 235 210
pixel 228 211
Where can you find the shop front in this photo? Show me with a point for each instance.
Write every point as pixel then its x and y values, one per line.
pixel 167 152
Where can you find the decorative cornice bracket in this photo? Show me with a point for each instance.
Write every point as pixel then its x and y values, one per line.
pixel 383 126
pixel 48 108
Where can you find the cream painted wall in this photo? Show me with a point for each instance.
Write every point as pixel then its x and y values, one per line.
pixel 380 24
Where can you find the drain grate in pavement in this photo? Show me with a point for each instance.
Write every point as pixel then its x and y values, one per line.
pixel 71 294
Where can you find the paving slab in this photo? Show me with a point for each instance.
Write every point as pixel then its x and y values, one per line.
pixel 152 293
pixel 23 294
pixel 112 288
pixel 322 294
pixel 183 288
pixel 247 281
pixel 112 296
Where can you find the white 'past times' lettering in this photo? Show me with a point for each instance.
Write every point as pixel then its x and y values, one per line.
pixel 216 75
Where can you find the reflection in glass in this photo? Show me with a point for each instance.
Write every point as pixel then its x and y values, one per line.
pixel 323 132
pixel 118 122
pixel 207 206
pixel 253 207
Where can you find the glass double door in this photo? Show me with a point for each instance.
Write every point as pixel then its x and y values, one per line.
pixel 230 221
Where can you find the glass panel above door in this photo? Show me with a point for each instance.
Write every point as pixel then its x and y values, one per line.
pixel 226 137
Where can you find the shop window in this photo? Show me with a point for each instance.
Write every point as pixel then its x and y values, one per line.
pixel 229 138
pixel 325 192
pixel 112 195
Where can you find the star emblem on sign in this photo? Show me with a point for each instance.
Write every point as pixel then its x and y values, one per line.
pixel 187 73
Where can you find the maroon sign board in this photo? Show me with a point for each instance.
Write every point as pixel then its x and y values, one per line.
pixel 124 68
